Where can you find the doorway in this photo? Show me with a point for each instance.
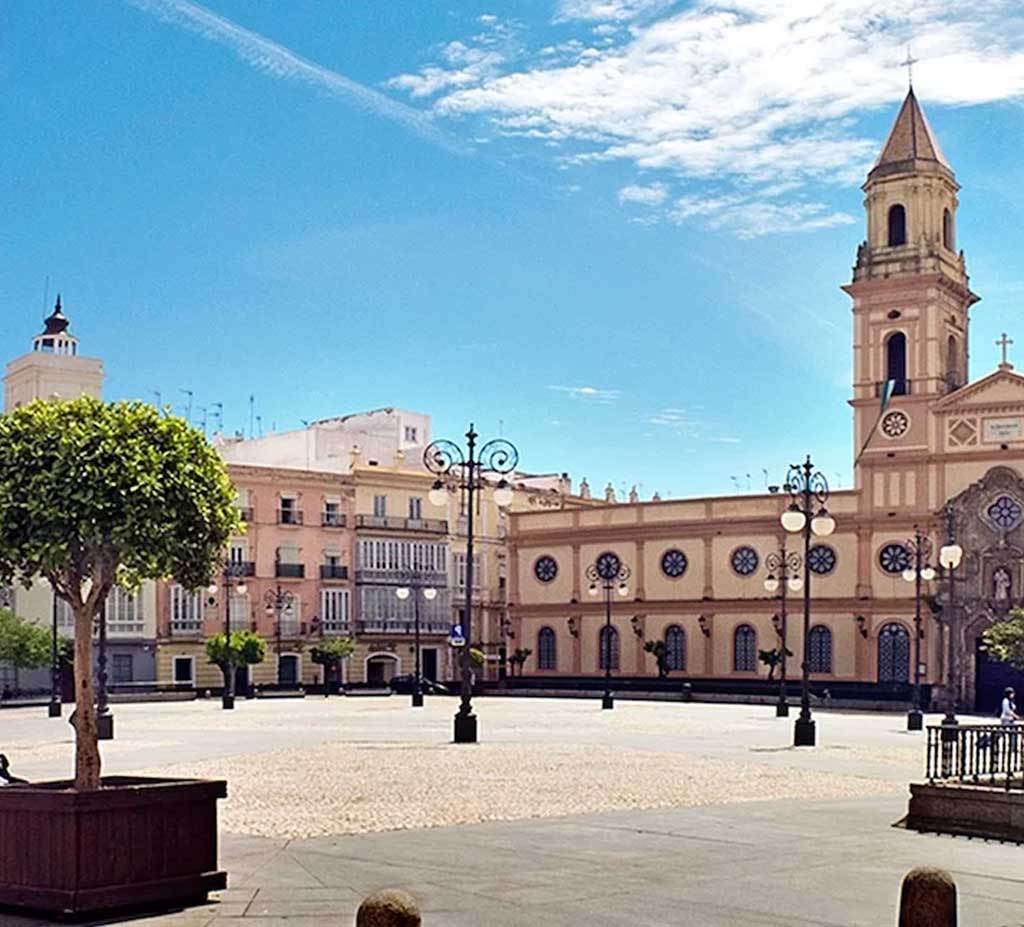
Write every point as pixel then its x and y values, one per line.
pixel 428 658
pixel 288 670
pixel 381 668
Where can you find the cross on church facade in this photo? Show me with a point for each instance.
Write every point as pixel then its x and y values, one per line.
pixel 909 65
pixel 1004 343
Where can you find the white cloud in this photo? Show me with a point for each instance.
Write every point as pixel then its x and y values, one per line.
pixel 760 97
pixel 653 195
pixel 685 426
pixel 275 60
pixel 588 393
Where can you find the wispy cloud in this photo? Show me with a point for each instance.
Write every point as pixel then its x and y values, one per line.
pixel 685 425
pixel 274 60
pixel 588 393
pixel 653 195
pixel 758 99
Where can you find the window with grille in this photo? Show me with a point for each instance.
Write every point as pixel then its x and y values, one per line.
pixel 745 649
pixel 334 610
pixel 186 610
pixel 819 650
pixel 608 642
pixel 123 612
pixel 547 653
pixel 675 647
pixel 893 654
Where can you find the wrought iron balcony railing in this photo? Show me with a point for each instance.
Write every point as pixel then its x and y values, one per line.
pixel 186 628
pixel 388 626
pixel 289 516
pixel 290 570
pixel 333 571
pixel 395 523
pixel 332 520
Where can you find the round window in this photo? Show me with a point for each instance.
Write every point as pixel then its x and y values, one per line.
pixel 545 569
pixel 673 563
pixel 895 424
pixel 744 560
pixel 894 558
pixel 821 559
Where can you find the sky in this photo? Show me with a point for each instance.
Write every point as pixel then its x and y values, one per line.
pixel 613 231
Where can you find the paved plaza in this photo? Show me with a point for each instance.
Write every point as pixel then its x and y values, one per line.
pixel 654 813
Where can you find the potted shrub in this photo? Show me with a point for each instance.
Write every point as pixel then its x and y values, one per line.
pixel 92 496
pixel 228 652
pixel 330 653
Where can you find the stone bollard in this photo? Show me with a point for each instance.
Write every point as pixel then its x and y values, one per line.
pixel 389 908
pixel 928 898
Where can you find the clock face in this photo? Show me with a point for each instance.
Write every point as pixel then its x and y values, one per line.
pixel 895 424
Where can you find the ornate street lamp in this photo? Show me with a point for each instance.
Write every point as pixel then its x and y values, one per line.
pixel 783 574
pixel 465 471
pixel 276 602
pixel 233 584
pixel 609 573
pixel 950 555
pixel 429 593
pixel 104 719
pixel 920 571
pixel 808 490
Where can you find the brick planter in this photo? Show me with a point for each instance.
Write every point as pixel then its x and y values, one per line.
pixel 133 843
pixel 972 811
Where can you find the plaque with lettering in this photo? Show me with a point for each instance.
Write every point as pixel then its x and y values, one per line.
pixel 1001 430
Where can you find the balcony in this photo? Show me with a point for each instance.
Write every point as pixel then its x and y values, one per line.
pixel 289 516
pixel 246 514
pixel 290 570
pixel 240 568
pixel 899 387
pixel 394 626
pixel 394 523
pixel 186 628
pixel 336 628
pixel 333 571
pixel 332 520
pixel 288 627
pixel 402 578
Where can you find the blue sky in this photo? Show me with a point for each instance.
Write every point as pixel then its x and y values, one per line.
pixel 613 229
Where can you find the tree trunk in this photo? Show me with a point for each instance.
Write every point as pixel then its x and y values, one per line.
pixel 83 719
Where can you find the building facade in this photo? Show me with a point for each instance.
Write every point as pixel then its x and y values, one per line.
pixel 935 453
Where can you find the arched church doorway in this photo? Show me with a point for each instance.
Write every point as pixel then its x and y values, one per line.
pixel 893 654
pixel 381 668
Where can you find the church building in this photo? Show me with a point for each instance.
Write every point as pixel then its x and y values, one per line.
pixel 940 461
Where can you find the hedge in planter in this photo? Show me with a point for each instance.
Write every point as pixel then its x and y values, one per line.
pixel 95 495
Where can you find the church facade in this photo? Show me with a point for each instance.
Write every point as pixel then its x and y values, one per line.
pixel 939 459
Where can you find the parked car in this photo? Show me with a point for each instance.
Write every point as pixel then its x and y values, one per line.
pixel 403 685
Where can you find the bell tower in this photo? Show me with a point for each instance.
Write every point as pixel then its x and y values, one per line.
pixel 910 292
pixel 53 369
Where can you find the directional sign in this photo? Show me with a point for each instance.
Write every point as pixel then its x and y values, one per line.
pixel 455 637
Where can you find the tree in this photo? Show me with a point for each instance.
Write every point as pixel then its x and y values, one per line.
pixel 95 495
pixel 660 651
pixel 519 658
pixel 23 644
pixel 240 648
pixel 1005 639
pixel 772 659
pixel 330 653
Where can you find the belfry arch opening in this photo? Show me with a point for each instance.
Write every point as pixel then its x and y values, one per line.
pixel 897 225
pixel 896 363
pixel 947 231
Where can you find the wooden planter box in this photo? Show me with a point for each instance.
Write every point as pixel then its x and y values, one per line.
pixel 967 810
pixel 133 843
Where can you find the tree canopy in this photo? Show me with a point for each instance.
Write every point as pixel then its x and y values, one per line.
pixel 241 648
pixel 93 494
pixel 332 650
pixel 1005 639
pixel 29 646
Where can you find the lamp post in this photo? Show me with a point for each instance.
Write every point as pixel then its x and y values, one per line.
pixel 505 634
pixel 466 472
pixel 276 602
pixel 104 719
pixel 920 549
pixel 233 584
pixel 808 490
pixel 429 593
pixel 783 574
pixel 608 572
pixel 55 706
pixel 950 555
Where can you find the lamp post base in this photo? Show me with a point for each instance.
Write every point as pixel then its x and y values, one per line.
pixel 607 701
pixel 417 700
pixel 53 710
pixel 804 734
pixel 227 701
pixel 105 726
pixel 465 729
pixel 781 710
pixel 950 719
pixel 915 720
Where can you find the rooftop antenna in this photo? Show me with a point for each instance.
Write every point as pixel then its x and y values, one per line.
pixel 750 486
pixel 202 421
pixel 735 482
pixel 218 411
pixel 259 424
pixel 159 403
pixel 252 415
pixel 188 407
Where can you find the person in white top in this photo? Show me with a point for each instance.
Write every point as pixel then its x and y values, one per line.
pixel 1008 713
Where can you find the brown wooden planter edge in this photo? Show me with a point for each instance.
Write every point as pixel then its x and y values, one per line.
pixel 137 842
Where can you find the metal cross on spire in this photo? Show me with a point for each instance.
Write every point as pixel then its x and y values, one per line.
pixel 909 63
pixel 1004 343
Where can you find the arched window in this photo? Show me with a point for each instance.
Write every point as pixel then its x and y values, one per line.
pixel 608 646
pixel 896 363
pixel 893 654
pixel 947 230
pixel 819 650
pixel 547 649
pixel 897 226
pixel 953 362
pixel 744 649
pixel 675 646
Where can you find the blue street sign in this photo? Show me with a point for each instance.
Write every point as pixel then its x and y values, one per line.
pixel 456 637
